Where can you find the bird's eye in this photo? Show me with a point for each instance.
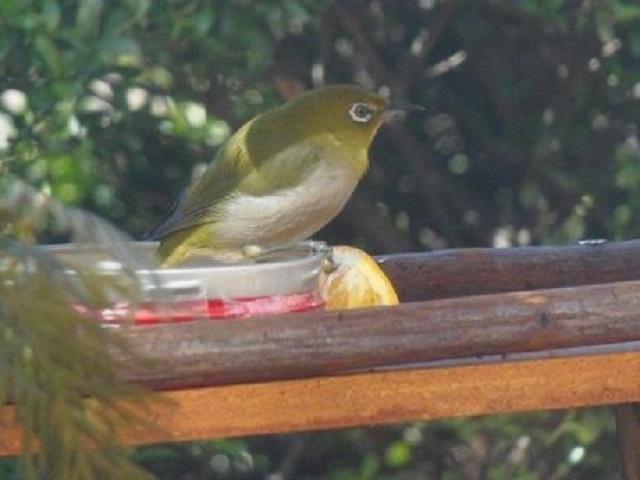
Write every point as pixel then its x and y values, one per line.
pixel 361 112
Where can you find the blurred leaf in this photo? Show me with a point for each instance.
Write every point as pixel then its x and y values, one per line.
pixel 120 51
pixel 51 14
pixel 88 16
pixel 49 54
pixel 398 454
pixel 626 12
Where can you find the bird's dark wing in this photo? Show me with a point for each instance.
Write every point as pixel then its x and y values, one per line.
pixel 198 203
pixel 240 170
pixel 168 223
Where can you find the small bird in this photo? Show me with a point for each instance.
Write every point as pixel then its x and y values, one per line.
pixel 280 178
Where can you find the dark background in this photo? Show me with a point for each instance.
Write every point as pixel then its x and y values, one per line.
pixel 530 137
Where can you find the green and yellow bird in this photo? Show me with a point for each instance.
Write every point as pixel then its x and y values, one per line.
pixel 280 178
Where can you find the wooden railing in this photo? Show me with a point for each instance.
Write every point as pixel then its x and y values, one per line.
pixel 480 331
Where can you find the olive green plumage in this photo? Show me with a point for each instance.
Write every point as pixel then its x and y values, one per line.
pixel 280 178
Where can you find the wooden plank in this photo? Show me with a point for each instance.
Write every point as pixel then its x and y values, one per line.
pixel 476 271
pixel 628 432
pixel 382 398
pixel 327 343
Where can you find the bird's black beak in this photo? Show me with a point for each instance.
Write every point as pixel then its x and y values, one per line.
pixel 397 110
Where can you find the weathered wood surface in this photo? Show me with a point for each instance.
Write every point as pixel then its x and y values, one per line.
pixel 380 398
pixel 327 343
pixel 475 271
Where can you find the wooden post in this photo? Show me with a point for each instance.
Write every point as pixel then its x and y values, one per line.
pixel 479 271
pixel 628 430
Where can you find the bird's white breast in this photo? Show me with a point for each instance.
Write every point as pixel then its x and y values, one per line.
pixel 290 214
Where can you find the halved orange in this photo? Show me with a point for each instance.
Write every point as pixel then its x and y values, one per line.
pixel 356 282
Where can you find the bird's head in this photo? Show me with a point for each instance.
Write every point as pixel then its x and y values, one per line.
pixel 352 114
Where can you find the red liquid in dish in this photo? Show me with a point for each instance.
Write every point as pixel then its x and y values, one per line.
pixel 148 313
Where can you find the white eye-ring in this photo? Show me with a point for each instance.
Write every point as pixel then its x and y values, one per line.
pixel 361 112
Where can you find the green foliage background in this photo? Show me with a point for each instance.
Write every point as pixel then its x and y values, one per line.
pixel 530 137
